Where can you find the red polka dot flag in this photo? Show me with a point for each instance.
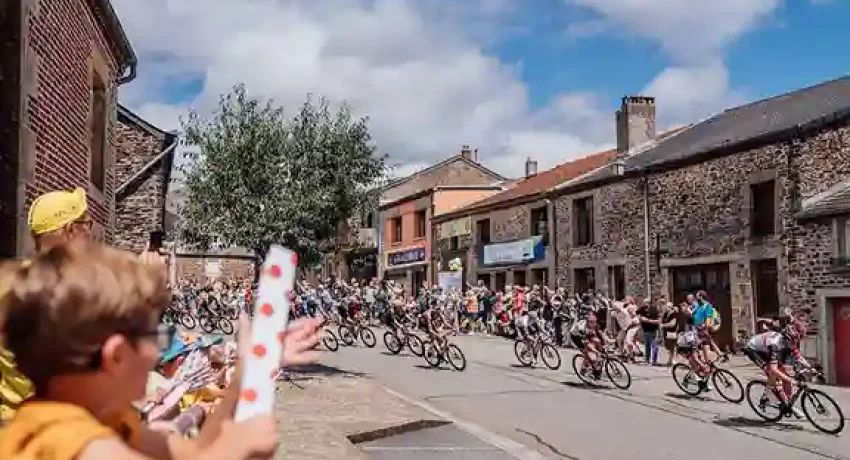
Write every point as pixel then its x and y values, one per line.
pixel 264 356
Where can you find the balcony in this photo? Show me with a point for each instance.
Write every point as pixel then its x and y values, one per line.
pixel 363 238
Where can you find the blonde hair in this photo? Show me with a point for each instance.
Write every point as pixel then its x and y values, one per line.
pixel 60 307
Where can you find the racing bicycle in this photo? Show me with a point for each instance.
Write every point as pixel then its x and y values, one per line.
pixel 614 369
pixel 763 398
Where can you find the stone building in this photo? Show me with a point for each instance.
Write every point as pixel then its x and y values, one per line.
pixel 506 238
pixel 820 273
pixel 62 63
pixel 443 187
pixel 710 206
pixel 143 162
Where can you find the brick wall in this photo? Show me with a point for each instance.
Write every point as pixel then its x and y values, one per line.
pixel 140 208
pixel 64 48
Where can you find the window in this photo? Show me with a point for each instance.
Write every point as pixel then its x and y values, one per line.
pixel 369 221
pixel 584 280
pixel 617 282
pixel 97 133
pixel 540 223
pixel 843 235
pixel 540 276
pixel 483 231
pixel 583 221
pixel 396 229
pixel 420 224
pixel 454 243
pixel 763 208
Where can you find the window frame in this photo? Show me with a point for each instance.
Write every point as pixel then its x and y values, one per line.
pixel 421 223
pixel 762 219
pixel 98 130
pixel 578 224
pixel 397 227
pixel 479 235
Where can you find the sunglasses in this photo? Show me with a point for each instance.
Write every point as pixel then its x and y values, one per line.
pixel 164 335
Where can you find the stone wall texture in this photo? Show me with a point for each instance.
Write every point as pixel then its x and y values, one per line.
pixel 198 268
pixel 140 208
pixel 700 214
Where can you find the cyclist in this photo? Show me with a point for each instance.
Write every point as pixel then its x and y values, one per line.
pixel 689 346
pixel 771 351
pixel 427 324
pixel 594 341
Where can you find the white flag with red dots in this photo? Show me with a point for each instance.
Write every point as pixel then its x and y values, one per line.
pixel 262 359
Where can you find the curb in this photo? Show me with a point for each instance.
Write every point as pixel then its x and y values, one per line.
pixel 509 446
pixel 395 430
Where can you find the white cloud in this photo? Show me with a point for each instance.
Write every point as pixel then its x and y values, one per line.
pixel 417 68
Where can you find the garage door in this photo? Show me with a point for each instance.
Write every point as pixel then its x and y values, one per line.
pixel 713 279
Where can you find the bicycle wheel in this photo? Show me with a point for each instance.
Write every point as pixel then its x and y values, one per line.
pixel 392 342
pixel 686 379
pixel 431 354
pixel 346 335
pixel 585 375
pixel 186 320
pixel 168 318
pixel 817 401
pixel 728 386
pixel 761 398
pixel 455 357
pixel 368 337
pixel 551 357
pixel 225 325
pixel 415 345
pixel 207 323
pixel 330 341
pixel 523 353
pixel 615 369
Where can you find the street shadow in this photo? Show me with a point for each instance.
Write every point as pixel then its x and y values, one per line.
pixel 743 422
pixel 521 366
pixel 312 370
pixel 584 386
pixel 685 397
pixel 429 367
pixel 387 353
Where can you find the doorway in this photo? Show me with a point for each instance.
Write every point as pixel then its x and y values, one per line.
pixel 501 280
pixel 519 278
pixel 10 97
pixel 766 288
pixel 714 280
pixel 418 277
pixel 841 334
pixel 540 276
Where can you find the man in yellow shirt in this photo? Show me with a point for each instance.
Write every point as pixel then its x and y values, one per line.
pixel 54 219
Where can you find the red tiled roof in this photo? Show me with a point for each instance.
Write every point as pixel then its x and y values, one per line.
pixel 542 181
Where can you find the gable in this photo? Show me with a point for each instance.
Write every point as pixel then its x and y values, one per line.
pixel 457 171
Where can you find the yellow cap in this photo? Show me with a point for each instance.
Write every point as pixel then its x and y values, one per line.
pixel 54 210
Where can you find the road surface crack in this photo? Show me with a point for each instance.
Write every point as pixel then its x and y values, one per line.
pixel 545 444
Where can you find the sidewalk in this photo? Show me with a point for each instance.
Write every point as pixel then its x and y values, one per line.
pixel 328 406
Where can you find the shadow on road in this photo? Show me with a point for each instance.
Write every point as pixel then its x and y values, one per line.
pixel 310 370
pixel 685 397
pixel 743 422
pixel 429 367
pixel 584 386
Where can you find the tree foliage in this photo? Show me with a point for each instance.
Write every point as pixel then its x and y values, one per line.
pixel 261 177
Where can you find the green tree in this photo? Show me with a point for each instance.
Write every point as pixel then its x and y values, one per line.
pixel 261 178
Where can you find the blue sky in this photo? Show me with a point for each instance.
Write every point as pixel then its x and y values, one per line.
pixel 803 44
pixel 514 78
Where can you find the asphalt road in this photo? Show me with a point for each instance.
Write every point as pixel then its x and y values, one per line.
pixel 554 414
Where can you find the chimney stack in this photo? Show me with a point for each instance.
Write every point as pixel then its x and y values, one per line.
pixel 530 167
pixel 635 122
pixel 466 152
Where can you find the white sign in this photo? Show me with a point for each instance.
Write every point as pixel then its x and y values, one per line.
pixel 212 268
pixel 450 280
pixel 507 253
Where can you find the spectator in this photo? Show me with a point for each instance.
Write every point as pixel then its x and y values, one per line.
pixel 650 319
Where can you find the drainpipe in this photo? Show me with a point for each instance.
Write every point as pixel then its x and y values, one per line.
pixel 131 75
pixel 644 180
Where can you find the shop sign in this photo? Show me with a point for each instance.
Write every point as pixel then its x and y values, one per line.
pixel 515 252
pixel 405 257
pixel 457 227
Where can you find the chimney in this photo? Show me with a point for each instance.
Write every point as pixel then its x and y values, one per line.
pixel 466 152
pixel 530 167
pixel 635 122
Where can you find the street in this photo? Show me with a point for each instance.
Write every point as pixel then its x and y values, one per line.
pixel 553 413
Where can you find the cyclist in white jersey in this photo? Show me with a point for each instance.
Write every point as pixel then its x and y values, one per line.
pixel 772 350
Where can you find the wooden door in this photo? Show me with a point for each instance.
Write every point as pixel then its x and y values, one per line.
pixel 714 279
